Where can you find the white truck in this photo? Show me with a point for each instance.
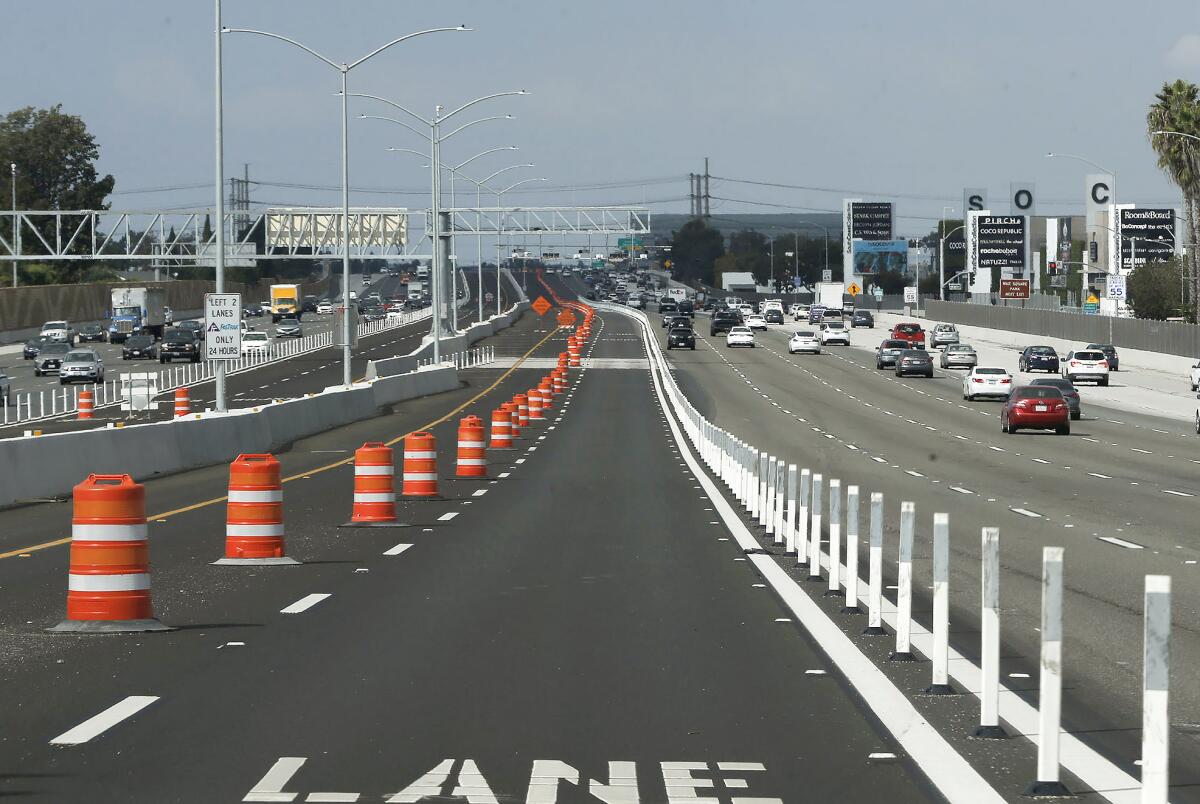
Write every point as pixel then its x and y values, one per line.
pixel 137 311
pixel 416 289
pixel 829 295
pixel 677 293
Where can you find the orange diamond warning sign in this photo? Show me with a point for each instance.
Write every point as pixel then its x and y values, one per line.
pixel 566 318
pixel 541 305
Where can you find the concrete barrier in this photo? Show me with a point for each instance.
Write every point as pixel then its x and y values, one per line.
pixel 478 331
pixel 48 466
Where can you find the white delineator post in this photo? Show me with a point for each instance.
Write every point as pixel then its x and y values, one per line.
pixel 989 640
pixel 780 497
pixel 835 537
pixel 767 515
pixel 753 499
pixel 802 517
pixel 764 470
pixel 814 530
pixel 940 683
pixel 789 528
pixel 1156 667
pixel 903 651
pixel 875 569
pixel 851 606
pixel 1050 679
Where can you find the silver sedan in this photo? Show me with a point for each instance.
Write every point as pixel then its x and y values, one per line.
pixel 959 355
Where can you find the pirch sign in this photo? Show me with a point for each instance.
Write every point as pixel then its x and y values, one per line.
pixel 222 326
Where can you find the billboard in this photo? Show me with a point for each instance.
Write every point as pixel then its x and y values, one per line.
pixel 1001 242
pixel 871 220
pixel 874 256
pixel 1147 235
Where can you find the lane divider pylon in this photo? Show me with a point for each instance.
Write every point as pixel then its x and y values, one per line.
pixel 254 513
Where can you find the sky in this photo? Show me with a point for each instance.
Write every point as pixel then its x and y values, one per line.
pixel 904 101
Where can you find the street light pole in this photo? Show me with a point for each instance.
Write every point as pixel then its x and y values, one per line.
pixel 16 230
pixel 344 70
pixel 219 186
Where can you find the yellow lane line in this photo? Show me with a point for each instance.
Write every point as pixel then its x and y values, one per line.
pixel 326 468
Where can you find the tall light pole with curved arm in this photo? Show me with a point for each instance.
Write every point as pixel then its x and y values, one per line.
pixel 344 70
pixel 1090 221
pixel 435 138
pixel 500 225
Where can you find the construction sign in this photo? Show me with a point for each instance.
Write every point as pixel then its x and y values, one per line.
pixel 541 305
pixel 566 318
pixel 854 289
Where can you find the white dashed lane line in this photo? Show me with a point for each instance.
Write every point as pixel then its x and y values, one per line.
pixel 97 725
pixel 397 550
pixel 1026 512
pixel 1121 543
pixel 304 604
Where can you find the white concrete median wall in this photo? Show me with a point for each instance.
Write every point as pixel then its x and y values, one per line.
pixel 476 332
pixel 49 466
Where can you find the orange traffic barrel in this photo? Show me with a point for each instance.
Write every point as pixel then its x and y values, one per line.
pixel 254 513
pixel 546 386
pixel 472 450
pixel 183 402
pixel 514 420
pixel 420 465
pixel 535 404
pixel 573 353
pixel 108 583
pixel 560 382
pixel 87 403
pixel 374 487
pixel 522 403
pixel 501 428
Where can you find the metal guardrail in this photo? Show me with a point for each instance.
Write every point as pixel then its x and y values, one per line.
pixel 44 405
pixel 471 358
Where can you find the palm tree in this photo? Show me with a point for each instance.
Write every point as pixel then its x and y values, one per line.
pixel 1176 107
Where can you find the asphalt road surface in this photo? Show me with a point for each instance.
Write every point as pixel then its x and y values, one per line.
pixel 1120 494
pixel 580 615
pixel 292 377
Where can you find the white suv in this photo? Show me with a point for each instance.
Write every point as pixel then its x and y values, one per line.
pixel 1085 365
pixel 1196 377
pixel 986 381
pixel 835 332
pixel 59 331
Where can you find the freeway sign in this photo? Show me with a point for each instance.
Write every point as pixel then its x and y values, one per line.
pixel 853 289
pixel 1092 305
pixel 629 242
pixel 1116 287
pixel 1014 289
pixel 910 294
pixel 222 326
pixel 878 293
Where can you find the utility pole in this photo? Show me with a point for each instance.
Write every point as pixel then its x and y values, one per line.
pixel 16 227
pixel 707 197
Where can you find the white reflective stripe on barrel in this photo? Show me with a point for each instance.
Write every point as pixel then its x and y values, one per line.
pixel 420 475
pixel 472 462
pixel 374 469
pixel 374 497
pixel 125 582
pixel 268 496
pixel 274 529
pixel 470 445
pixel 408 456
pixel 108 533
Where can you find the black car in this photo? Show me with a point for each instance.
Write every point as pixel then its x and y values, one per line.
pixel 179 344
pixel 252 311
pixel 709 305
pixel 914 361
pixel 34 345
pixel 1038 358
pixel 139 347
pixel 50 358
pixel 679 322
pixel 590 295
pixel 686 307
pixel 309 304
pixel 91 332
pixel 194 327
pixel 888 351
pixel 723 320
pixel 667 305
pixel 862 318
pixel 1110 352
pixel 1069 392
pixel 681 338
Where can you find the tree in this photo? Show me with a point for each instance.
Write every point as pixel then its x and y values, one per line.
pixel 1176 108
pixel 1154 290
pixel 694 249
pixel 56 158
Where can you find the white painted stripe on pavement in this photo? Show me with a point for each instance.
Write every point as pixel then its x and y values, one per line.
pixel 1026 512
pixel 1120 542
pixel 270 786
pixel 397 550
pixel 95 726
pixel 446 517
pixel 304 604
pixel 1177 493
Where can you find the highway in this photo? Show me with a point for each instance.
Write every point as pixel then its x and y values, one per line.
pixel 294 376
pixel 519 623
pixel 1120 494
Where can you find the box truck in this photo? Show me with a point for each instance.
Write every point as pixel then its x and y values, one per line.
pixel 136 311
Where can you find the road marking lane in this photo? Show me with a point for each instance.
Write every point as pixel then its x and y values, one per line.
pixel 397 550
pixel 446 517
pixel 961 490
pixel 1102 477
pixel 1121 543
pixel 95 726
pixel 1177 493
pixel 1026 512
pixel 304 604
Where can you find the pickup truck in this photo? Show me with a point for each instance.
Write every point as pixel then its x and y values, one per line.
pixel 911 332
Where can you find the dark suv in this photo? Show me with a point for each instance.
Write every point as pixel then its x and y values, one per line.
pixel 681 338
pixel 179 344
pixel 687 307
pixel 723 321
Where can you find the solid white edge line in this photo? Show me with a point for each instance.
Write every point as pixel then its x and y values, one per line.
pixel 98 724
pixel 942 765
pixel 1095 770
pixel 304 604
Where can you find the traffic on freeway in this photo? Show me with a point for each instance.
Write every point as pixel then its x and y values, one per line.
pixel 623 403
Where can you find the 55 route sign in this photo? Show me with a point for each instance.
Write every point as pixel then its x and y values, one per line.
pixel 222 326
pixel 1014 288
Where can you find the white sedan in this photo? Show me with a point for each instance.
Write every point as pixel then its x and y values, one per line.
pixel 740 336
pixel 806 340
pixel 835 332
pixel 324 308
pixel 255 343
pixel 986 381
pixel 756 321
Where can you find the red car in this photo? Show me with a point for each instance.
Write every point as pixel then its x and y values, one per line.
pixel 1036 407
pixel 913 333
